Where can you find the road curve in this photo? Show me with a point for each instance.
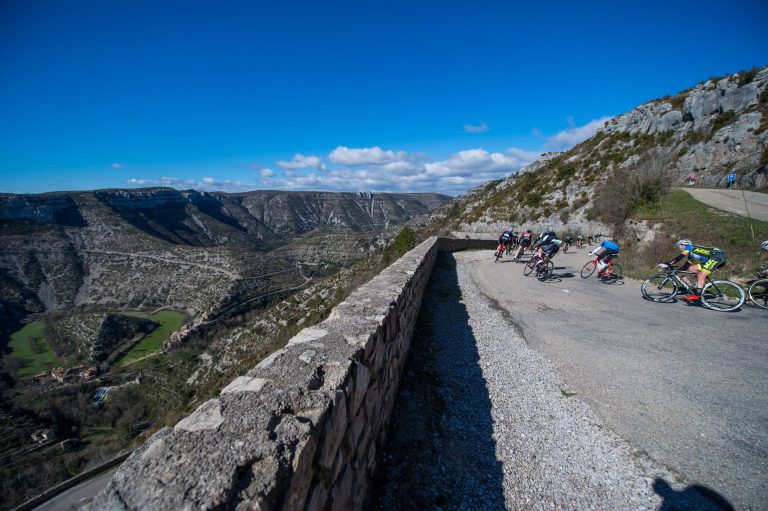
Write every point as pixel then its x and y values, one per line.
pixel 687 385
pixel 733 201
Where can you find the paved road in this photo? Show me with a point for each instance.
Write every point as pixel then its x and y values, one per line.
pixel 78 496
pixel 733 201
pixel 687 385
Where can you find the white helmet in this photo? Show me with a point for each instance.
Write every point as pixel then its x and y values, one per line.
pixel 684 242
pixel 764 245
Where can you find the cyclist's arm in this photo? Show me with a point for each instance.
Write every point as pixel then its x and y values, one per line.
pixel 677 259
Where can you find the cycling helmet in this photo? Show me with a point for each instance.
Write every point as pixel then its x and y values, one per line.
pixel 764 245
pixel 683 242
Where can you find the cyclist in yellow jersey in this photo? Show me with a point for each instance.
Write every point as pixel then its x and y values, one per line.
pixel 700 260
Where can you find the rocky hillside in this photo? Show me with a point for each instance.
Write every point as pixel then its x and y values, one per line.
pixel 186 249
pixel 716 127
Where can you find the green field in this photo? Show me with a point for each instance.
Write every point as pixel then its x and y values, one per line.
pixel 170 321
pixel 29 346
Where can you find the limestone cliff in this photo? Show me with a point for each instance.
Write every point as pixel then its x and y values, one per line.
pixel 714 128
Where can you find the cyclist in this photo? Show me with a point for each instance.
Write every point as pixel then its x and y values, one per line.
pixel 523 242
pixel 504 238
pixel 549 248
pixel 764 246
pixel 567 243
pixel 604 252
pixel 544 238
pixel 700 260
pixel 580 240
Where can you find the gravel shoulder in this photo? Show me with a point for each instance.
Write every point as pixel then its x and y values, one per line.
pixel 483 421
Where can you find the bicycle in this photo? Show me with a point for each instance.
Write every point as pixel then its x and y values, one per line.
pixel 758 292
pixel 566 246
pixel 544 268
pixel 530 265
pixel 718 295
pixel 613 271
pixel 500 251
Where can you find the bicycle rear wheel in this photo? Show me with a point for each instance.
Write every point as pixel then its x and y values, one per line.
pixel 722 295
pixel 544 271
pixel 659 288
pixel 614 275
pixel 497 254
pixel 588 269
pixel 758 293
pixel 530 265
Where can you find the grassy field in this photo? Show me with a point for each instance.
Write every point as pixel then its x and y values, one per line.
pixel 170 321
pixel 685 217
pixel 29 346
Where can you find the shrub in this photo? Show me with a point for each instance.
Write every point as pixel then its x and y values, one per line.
pixel 627 189
pixel 746 77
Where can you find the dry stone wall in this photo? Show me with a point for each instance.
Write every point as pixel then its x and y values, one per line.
pixel 302 429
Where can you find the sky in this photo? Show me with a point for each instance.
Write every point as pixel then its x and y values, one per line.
pixel 391 96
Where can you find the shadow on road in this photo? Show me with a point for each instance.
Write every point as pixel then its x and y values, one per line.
pixel 694 497
pixel 441 452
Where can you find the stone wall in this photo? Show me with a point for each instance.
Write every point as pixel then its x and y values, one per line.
pixel 302 429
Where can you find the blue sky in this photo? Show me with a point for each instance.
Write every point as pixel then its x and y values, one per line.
pixel 382 96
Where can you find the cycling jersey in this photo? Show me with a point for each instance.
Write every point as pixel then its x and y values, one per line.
pixel 505 237
pixel 568 239
pixel 552 247
pixel 708 258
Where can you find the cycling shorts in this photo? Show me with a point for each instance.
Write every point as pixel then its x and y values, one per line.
pixel 710 265
pixel 524 242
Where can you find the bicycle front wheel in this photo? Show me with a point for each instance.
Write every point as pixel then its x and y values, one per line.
pixel 659 288
pixel 544 271
pixel 588 269
pixel 758 293
pixel 722 295
pixel 530 265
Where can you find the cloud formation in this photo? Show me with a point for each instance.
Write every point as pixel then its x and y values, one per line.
pixel 299 161
pixel 206 184
pixel 117 166
pixel 572 135
pixel 343 155
pixel 480 128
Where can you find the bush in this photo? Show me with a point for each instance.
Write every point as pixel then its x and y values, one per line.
pixel 630 188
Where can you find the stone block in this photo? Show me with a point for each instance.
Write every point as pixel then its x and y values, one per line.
pixel 206 417
pixel 362 378
pixel 335 430
pixel 318 497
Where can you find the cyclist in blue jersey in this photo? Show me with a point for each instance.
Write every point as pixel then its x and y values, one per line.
pixel 607 249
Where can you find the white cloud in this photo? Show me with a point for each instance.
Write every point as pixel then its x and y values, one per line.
pixel 207 184
pixel 480 128
pixel 265 172
pixel 117 166
pixel 299 161
pixel 574 134
pixel 365 156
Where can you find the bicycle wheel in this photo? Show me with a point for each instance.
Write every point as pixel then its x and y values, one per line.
pixel 722 295
pixel 544 271
pixel 497 254
pixel 758 293
pixel 659 288
pixel 614 275
pixel 588 269
pixel 530 266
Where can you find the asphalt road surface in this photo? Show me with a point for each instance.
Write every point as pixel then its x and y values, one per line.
pixel 685 384
pixel 77 496
pixel 733 201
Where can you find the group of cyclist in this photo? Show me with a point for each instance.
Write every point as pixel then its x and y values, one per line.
pixel 697 259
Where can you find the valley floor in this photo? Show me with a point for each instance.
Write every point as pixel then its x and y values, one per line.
pixel 574 394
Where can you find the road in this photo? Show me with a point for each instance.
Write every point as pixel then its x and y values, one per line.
pixel 687 385
pixel 76 497
pixel 733 201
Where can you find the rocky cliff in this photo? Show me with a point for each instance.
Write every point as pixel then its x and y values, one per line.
pixel 714 128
